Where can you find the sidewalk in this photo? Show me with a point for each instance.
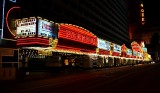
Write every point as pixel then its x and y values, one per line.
pixel 35 75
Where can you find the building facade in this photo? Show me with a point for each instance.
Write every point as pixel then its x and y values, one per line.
pixel 106 19
pixel 84 34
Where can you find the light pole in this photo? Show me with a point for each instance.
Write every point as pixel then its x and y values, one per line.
pixel 3 18
pixel 3 7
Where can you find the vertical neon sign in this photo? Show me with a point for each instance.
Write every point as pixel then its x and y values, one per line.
pixel 142 14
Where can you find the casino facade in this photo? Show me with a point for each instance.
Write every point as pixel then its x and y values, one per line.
pixel 36 43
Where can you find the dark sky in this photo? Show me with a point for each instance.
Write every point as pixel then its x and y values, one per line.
pixel 152 9
pixel 152 15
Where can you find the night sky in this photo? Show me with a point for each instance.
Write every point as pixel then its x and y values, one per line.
pixel 152 7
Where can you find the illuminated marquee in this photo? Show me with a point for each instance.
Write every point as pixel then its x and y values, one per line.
pixel 26 27
pixel 35 31
pixel 78 34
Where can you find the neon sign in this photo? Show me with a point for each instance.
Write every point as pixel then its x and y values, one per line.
pixel 135 46
pixel 71 32
pixel 142 14
pixel 7 24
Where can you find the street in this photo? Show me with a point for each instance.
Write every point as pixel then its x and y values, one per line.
pixel 127 79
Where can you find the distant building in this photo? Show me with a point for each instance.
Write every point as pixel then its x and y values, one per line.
pixel 144 29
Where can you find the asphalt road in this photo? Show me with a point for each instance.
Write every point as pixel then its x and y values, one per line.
pixel 129 79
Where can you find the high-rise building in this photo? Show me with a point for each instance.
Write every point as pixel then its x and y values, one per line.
pixel 108 19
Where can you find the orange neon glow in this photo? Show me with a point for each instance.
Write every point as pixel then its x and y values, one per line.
pixel 76 33
pixel 104 52
pixel 123 48
pixel 136 47
pixel 128 56
pixel 115 54
pixel 7 19
pixel 31 40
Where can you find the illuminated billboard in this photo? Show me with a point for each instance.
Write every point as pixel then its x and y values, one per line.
pixel 26 27
pixel 117 48
pixel 102 44
pixel 46 29
pixel 129 52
